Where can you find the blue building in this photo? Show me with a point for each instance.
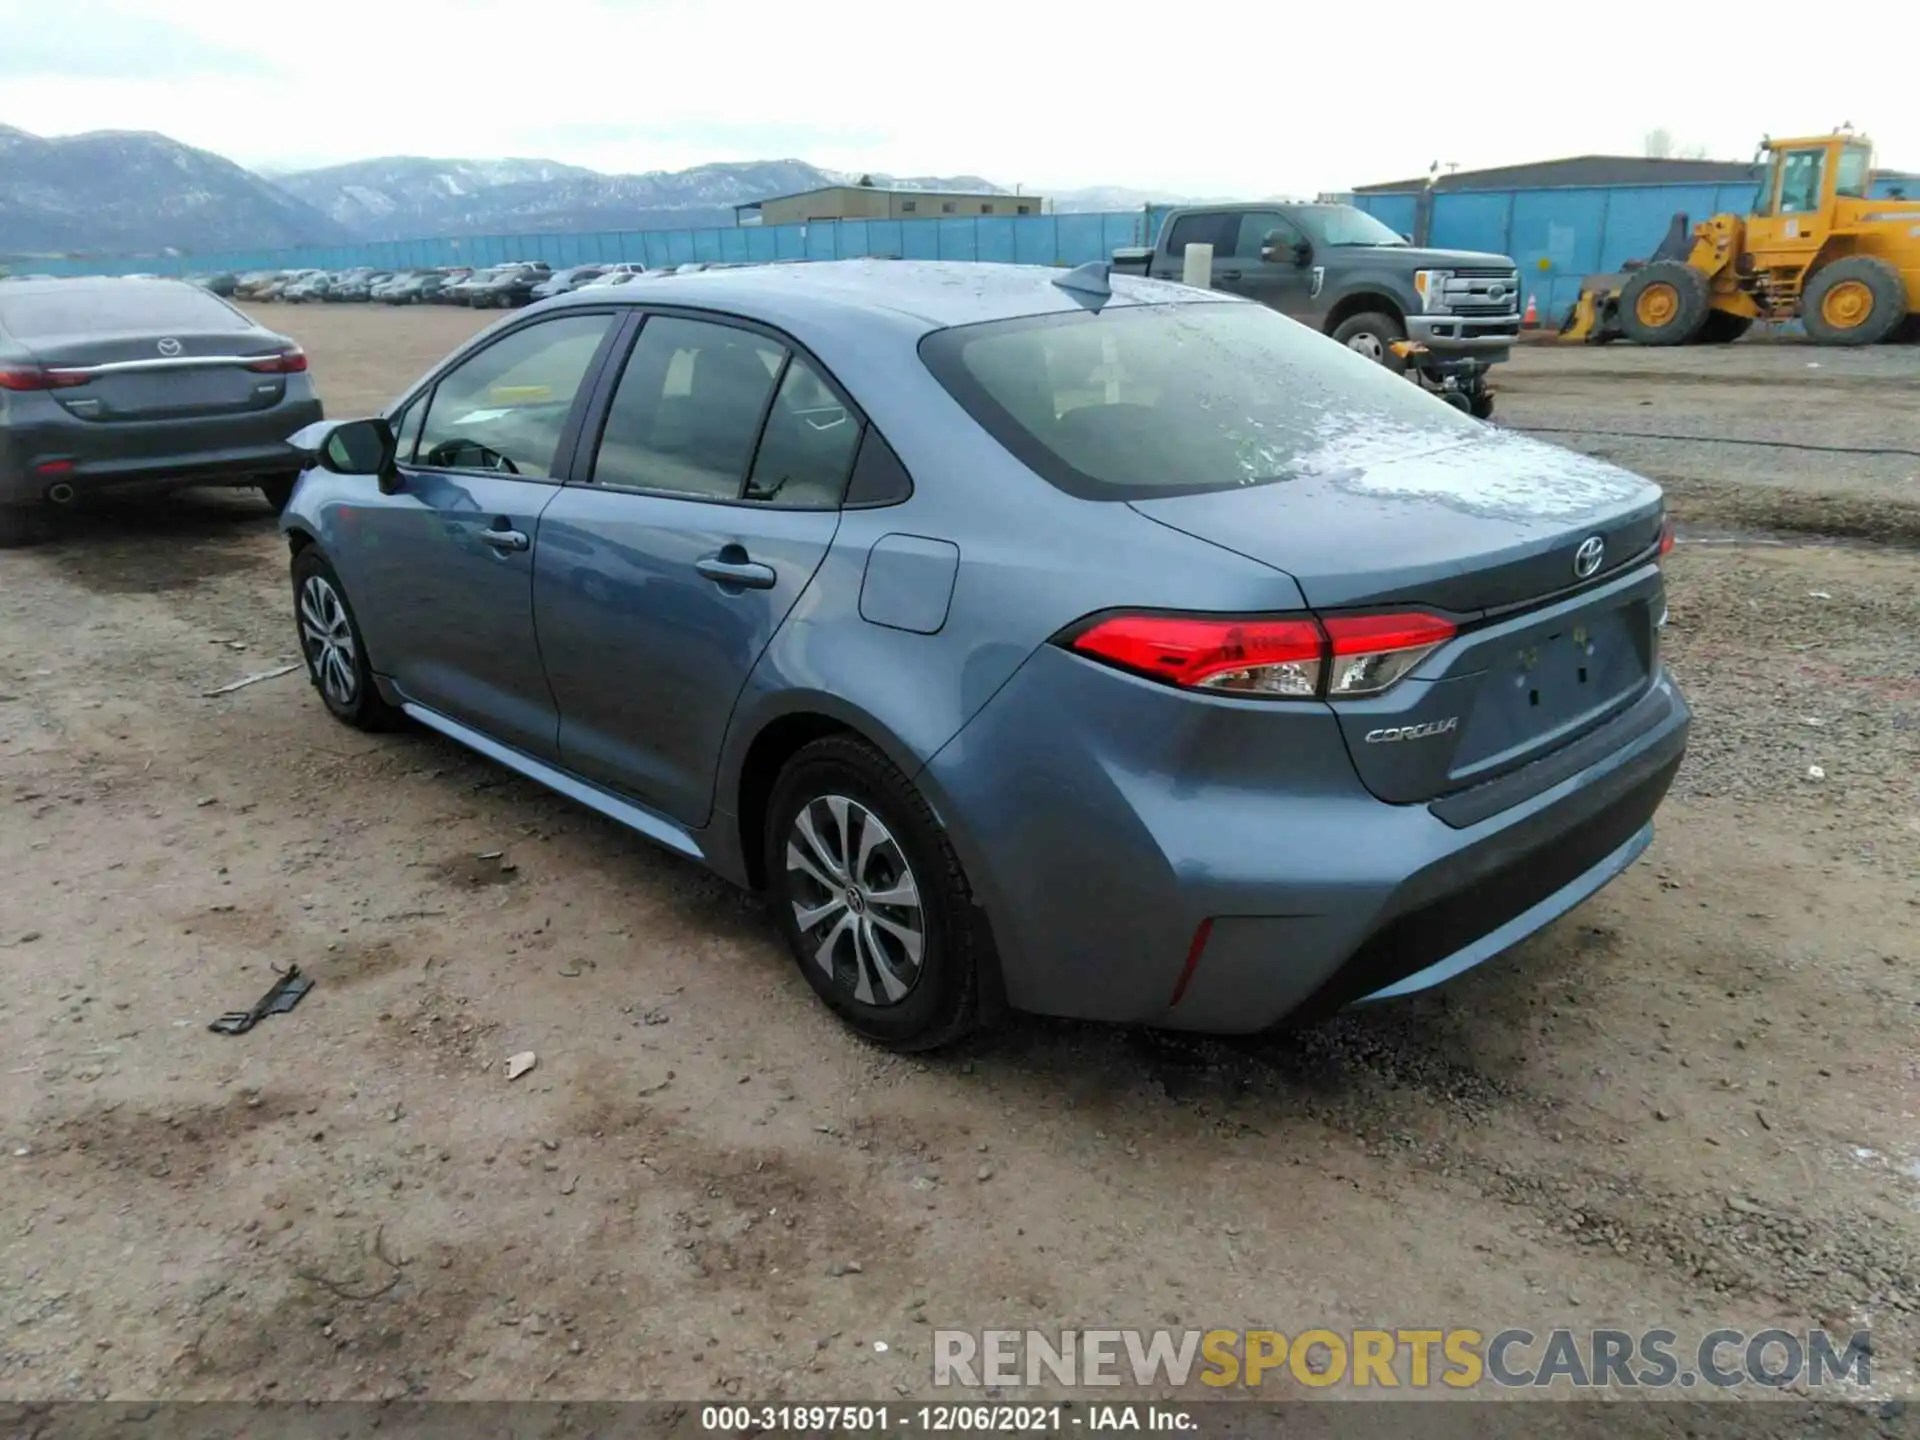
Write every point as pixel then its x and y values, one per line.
pixel 1566 219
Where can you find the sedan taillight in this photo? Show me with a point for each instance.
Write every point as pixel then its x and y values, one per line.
pixel 1282 658
pixel 35 377
pixel 287 362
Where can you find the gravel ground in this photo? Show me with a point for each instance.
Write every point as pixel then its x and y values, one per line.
pixel 1694 1102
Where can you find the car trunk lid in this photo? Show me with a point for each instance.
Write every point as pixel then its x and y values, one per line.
pixel 1540 557
pixel 173 377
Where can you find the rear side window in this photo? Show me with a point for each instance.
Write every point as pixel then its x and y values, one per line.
pixel 688 409
pixel 1219 231
pixel 808 445
pixel 136 305
pixel 1139 401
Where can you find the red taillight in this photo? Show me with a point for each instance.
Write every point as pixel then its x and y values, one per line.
pixel 1292 658
pixel 34 377
pixel 1371 652
pixel 1260 657
pixel 1666 535
pixel 287 362
pixel 55 467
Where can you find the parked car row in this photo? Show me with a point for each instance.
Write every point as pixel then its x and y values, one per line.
pixel 492 287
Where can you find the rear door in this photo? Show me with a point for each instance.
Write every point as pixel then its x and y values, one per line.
pixel 715 491
pixel 442 570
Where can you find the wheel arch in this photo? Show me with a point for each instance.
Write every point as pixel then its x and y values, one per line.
pixel 772 740
pixel 1361 302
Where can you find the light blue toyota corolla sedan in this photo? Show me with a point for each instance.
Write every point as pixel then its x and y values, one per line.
pixel 1090 646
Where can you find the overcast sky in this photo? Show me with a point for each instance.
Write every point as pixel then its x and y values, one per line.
pixel 1250 99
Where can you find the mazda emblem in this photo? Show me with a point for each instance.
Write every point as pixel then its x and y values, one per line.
pixel 1586 560
pixel 169 347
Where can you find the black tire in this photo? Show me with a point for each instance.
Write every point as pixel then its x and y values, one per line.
pixel 21 525
pixel 1723 328
pixel 278 490
pixel 1665 303
pixel 1829 305
pixel 1482 406
pixel 359 705
pixel 1374 334
pixel 942 1001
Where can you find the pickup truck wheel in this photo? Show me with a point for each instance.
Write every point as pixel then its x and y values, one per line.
pixel 1373 335
pixel 1482 406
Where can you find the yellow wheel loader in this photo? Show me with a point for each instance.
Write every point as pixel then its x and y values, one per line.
pixel 1815 249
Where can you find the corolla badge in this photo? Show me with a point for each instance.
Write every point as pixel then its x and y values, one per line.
pixel 1586 560
pixel 169 347
pixel 1427 731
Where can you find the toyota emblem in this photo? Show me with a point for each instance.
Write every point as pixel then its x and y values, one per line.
pixel 169 347
pixel 1587 558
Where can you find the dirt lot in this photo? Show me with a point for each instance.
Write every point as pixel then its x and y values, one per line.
pixel 1695 1102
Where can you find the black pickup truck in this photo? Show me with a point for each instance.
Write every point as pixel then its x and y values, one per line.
pixel 1340 270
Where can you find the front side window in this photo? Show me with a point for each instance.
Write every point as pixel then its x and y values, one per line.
pixel 505 408
pixel 1135 402
pixel 1257 225
pixel 688 409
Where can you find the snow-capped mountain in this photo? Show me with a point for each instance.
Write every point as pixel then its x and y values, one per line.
pixel 405 197
pixel 122 192
pixel 117 190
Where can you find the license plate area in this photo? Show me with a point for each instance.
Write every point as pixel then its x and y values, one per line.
pixel 1553 681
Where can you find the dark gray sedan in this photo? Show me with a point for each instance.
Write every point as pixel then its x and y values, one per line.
pixel 1093 646
pixel 155 384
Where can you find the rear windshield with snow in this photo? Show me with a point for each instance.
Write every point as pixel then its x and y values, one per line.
pixel 135 306
pixel 1138 401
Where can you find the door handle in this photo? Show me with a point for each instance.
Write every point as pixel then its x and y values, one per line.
pixel 744 573
pixel 1226 274
pixel 505 539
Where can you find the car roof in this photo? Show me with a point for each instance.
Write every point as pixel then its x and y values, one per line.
pixel 937 294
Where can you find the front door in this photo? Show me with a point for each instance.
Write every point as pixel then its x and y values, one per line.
pixel 716 490
pixel 1790 224
pixel 1284 282
pixel 445 564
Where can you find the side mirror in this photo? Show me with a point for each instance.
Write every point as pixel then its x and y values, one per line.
pixel 351 447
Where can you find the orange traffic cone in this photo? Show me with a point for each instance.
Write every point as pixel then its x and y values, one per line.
pixel 1531 321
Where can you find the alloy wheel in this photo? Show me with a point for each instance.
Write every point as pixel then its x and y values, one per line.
pixel 327 638
pixel 855 901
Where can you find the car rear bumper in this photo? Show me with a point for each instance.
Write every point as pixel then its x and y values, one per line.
pixel 93 457
pixel 1194 865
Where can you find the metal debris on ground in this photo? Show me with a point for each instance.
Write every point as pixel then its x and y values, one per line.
pixel 288 991
pixel 249 680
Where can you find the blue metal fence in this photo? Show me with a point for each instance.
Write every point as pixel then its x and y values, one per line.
pixel 1022 239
